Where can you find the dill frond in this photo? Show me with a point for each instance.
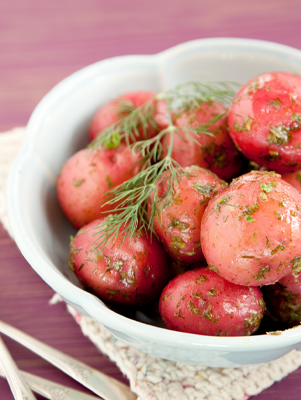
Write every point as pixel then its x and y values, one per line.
pixel 131 197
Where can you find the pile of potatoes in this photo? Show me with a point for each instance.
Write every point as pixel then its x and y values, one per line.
pixel 227 239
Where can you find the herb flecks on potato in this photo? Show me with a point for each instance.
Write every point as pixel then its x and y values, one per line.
pixel 177 218
pixel 120 274
pixel 265 121
pixel 202 302
pixel 255 226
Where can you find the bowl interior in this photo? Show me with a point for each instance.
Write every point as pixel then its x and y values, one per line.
pixel 58 128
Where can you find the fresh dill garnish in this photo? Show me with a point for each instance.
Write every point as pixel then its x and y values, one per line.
pixel 131 217
pixel 183 98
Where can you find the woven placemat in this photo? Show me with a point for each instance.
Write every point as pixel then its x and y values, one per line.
pixel 153 378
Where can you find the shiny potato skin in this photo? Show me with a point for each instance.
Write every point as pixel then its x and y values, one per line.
pixel 202 302
pixel 126 274
pixel 178 224
pixel 217 153
pixel 251 233
pixel 265 120
pixel 87 176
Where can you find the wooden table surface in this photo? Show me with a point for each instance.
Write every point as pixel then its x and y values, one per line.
pixel 41 42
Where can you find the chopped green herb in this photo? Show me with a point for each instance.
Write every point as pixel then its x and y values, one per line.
pixel 263 196
pixel 262 273
pixel 217 209
pixel 212 267
pixel 273 156
pixel 206 190
pixel 253 321
pixel 279 215
pixel 78 182
pixel 207 314
pixel 112 141
pixel 112 293
pixel 178 314
pixel 296 117
pixel 76 251
pixel 175 223
pixel 223 200
pixel 296 266
pixel 228 330
pixel 279 135
pixel 81 266
pixel 178 243
pixel 177 201
pixel 123 276
pixel 250 219
pixel 266 187
pixel 249 211
pixel 181 299
pixel 279 247
pixel 251 257
pixel 200 279
pixel 212 292
pixel 110 183
pixel 117 265
pixel 275 103
pixel 169 296
pixel 246 126
pixel 193 308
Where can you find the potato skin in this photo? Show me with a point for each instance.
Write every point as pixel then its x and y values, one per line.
pixel 293 178
pixel 179 225
pixel 87 176
pixel 121 274
pixel 251 233
pixel 113 111
pixel 265 120
pixel 202 302
pixel 284 297
pixel 218 153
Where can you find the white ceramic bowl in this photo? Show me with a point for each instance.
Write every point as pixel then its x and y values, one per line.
pixel 58 128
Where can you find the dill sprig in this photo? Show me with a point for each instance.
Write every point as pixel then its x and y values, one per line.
pixel 184 97
pixel 131 215
pixel 131 197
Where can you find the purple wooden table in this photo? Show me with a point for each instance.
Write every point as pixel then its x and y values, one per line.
pixel 41 43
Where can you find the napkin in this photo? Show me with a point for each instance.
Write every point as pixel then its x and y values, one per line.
pixel 153 378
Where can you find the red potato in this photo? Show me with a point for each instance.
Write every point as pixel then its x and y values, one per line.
pixel 115 110
pixel 122 106
pixel 180 215
pixel 87 176
pixel 284 297
pixel 251 233
pixel 122 274
pixel 293 178
pixel 202 302
pixel 218 153
pixel 265 119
